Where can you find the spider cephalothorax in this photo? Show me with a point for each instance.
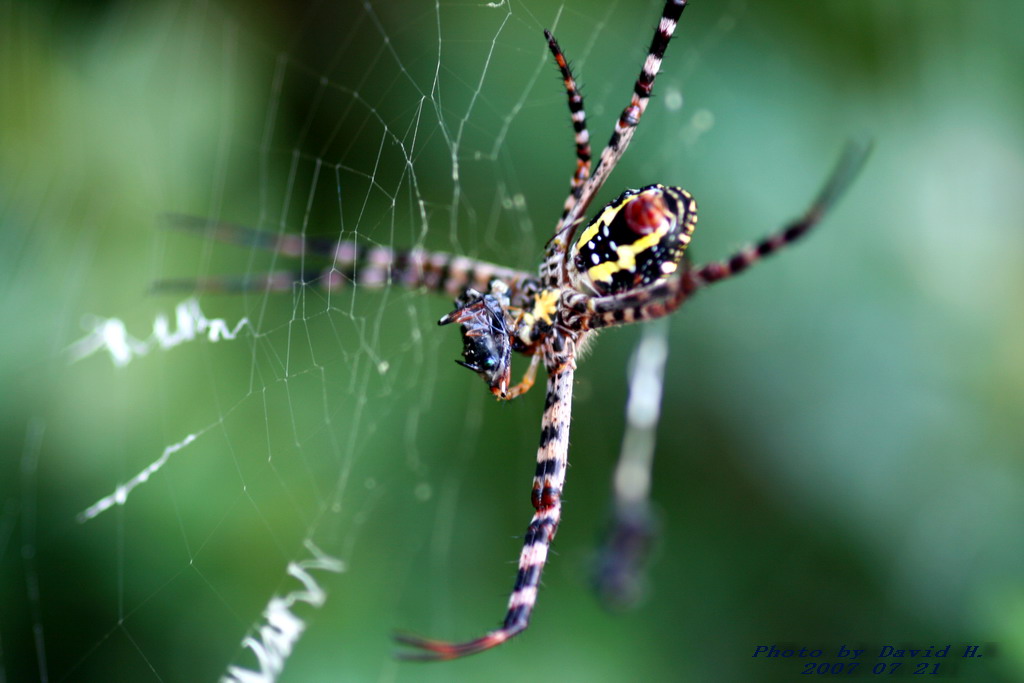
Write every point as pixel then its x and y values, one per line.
pixel 625 266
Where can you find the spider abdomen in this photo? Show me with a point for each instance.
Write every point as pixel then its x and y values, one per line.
pixel 635 240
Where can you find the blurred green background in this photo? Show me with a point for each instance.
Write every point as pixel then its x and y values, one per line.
pixel 839 458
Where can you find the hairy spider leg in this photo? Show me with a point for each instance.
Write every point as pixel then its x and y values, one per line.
pixel 350 264
pixel 854 155
pixel 579 125
pixel 552 459
pixel 627 122
pixel 526 383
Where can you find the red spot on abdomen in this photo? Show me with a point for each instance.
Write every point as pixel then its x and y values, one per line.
pixel 646 213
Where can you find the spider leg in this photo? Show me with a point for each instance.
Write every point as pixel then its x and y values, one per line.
pixel 626 125
pixel 579 125
pixel 351 264
pixel 526 383
pixel 619 572
pixel 552 459
pixel 855 154
pixel 662 298
pixel 285 244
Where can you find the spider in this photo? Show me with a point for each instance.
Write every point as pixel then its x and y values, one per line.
pixel 626 265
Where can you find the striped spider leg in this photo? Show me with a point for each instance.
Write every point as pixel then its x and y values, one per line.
pixel 622 134
pixel 482 317
pixel 619 569
pixel 652 224
pixel 349 264
pixel 579 126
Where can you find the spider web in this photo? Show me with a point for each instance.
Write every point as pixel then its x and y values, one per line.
pixel 263 486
